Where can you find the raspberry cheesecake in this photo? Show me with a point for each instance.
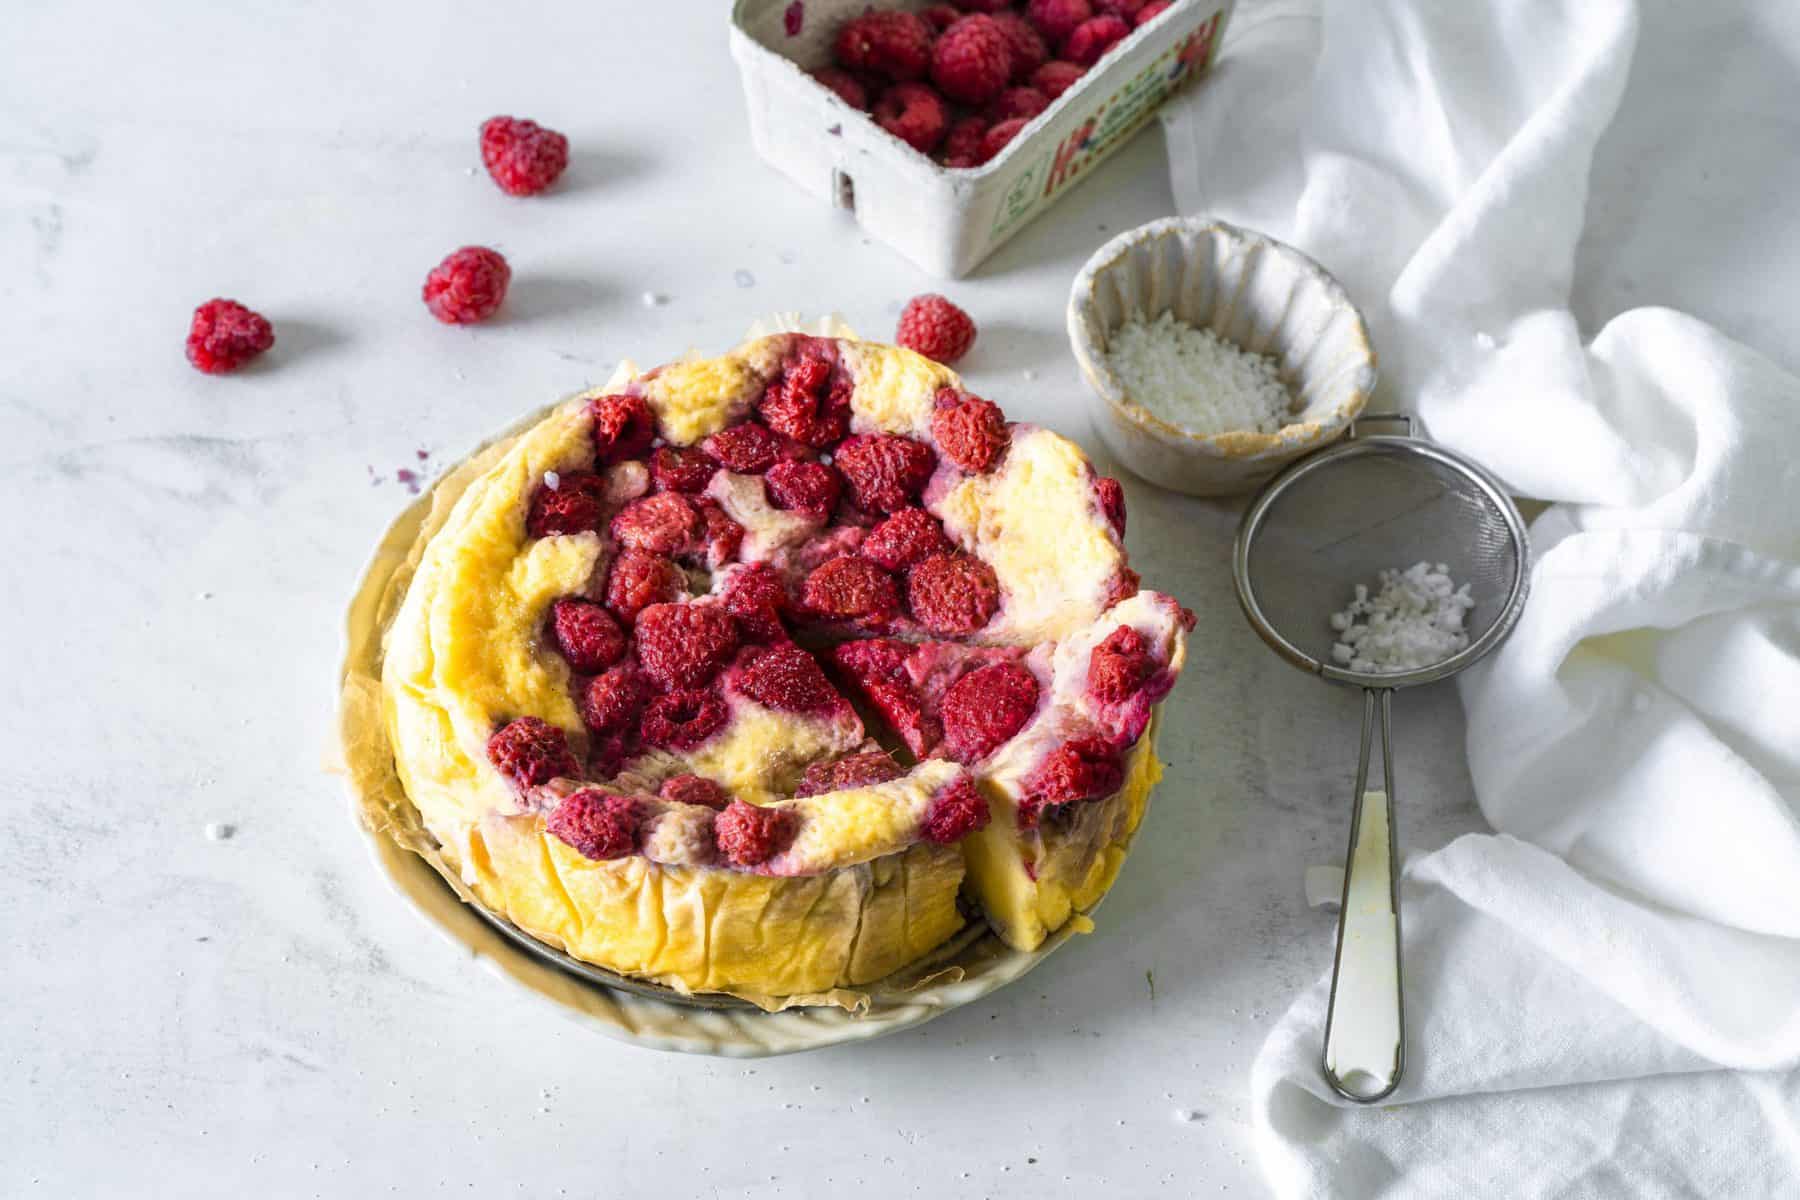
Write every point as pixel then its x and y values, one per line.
pixel 767 673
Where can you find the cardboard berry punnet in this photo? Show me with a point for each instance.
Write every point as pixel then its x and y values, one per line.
pixel 948 220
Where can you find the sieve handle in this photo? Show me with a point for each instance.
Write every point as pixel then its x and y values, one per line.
pixel 1365 1030
pixel 1381 419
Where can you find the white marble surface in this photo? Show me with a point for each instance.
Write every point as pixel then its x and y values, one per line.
pixel 200 1017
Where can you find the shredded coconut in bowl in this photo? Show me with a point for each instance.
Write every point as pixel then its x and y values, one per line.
pixel 1415 620
pixel 1195 379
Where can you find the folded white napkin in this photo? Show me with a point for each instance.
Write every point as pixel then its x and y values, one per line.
pixel 1603 997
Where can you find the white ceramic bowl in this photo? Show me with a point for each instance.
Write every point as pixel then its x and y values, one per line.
pixel 1250 290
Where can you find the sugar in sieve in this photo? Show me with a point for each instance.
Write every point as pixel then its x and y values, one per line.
pixel 1332 520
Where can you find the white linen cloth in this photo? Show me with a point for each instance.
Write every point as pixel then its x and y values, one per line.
pixel 1603 997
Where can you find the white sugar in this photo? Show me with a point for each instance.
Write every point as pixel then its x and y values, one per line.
pixel 1194 379
pixel 1415 620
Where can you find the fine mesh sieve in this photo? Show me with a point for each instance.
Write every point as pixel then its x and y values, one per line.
pixel 1329 522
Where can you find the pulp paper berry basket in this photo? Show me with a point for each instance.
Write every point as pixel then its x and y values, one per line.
pixel 945 220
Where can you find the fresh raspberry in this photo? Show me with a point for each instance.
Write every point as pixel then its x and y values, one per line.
pixel 685 469
pixel 1151 11
pixel 523 157
pixel 586 635
pixel 224 335
pixel 1122 586
pixel 808 488
pixel 1123 9
pixel 848 88
pixel 1057 19
pixel 661 523
pixel 597 824
pixel 885 471
pixel 755 596
pixel 878 668
pixel 904 538
pixel 530 751
pixel 849 588
pixel 962 145
pixel 956 811
pixel 640 579
pixel 1056 77
pixel 610 702
pixel 684 645
pixel 1119 665
pixel 749 448
pixel 996 138
pixel 853 771
pixel 1111 496
pixel 467 286
pixel 1027 48
pixel 914 113
pixel 719 541
pixel 694 789
pixel 941 16
pixel 682 720
pixel 896 45
pixel 972 60
pixel 952 593
pixel 749 836
pixel 785 677
pixel 1093 38
pixel 932 326
pixel 810 399
pixel 1079 769
pixel 575 505
pixel 982 6
pixel 1017 103
pixel 624 427
pixel 985 708
pixel 970 432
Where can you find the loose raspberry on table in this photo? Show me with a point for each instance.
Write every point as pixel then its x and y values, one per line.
pixel 785 677
pixel 596 824
pixel 1111 495
pixel 941 16
pixel 878 668
pixel 575 505
pixel 1025 44
pixel 1057 19
pixel 970 432
pixel 682 720
pixel 996 138
pixel 985 708
pixel 685 469
pixel 896 45
pixel 610 702
pixel 810 400
pixel 586 635
pixel 624 427
pixel 1151 11
pixel 848 588
pixel 749 448
pixel 719 540
pixel 1080 769
pixel 914 113
pixel 956 811
pixel 749 836
pixel 685 645
pixel 952 593
pixel 867 769
pixel 932 326
pixel 661 523
pixel 972 60
pixel 1017 103
pixel 694 789
pixel 811 489
pixel 886 472
pixel 523 157
pixel 224 335
pixel 467 286
pixel 848 88
pixel 962 145
pixel 531 751
pixel 1093 38
pixel 639 579
pixel 754 594
pixel 903 539
pixel 1119 665
pixel 1056 77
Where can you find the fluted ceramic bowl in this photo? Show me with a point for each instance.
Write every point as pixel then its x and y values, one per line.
pixel 1250 290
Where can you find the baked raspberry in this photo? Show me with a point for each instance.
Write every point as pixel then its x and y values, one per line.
pixel 914 113
pixel 904 538
pixel 932 326
pixel 850 588
pixel 684 645
pixel 885 471
pixel 1056 77
pixel 694 789
pixel 810 400
pixel 719 541
pixel 596 824
pixel 1025 44
pixel 997 137
pixel 523 157
pixel 852 771
pixel 896 45
pixel 846 85
pixel 1057 19
pixel 606 754
pixel 1093 38
pixel 749 448
pixel 941 16
pixel 224 335
pixel 640 579
pixel 749 836
pixel 682 720
pixel 755 596
pixel 531 751
pixel 586 635
pixel 1123 9
pixel 972 60
pixel 878 668
pixel 1017 103
pixel 661 523
pixel 952 593
pixel 1119 665
pixel 1122 586
pixel 1080 769
pixel 962 145
pixel 1151 11
pixel 985 708
pixel 685 469
pixel 1111 495
pixel 467 286
pixel 808 488
pixel 785 677
pixel 970 432
pixel 624 427
pixel 956 811
pixel 575 505
pixel 610 702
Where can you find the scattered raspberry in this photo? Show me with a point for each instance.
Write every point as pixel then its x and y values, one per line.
pixel 1057 19
pixel 1122 586
pixel 682 720
pixel 530 751
pixel 970 432
pixel 1093 38
pixel 661 523
pixel 996 138
pixel 846 85
pixel 640 579
pixel 575 505
pixel 904 538
pixel 793 18
pixel 985 708
pixel 1079 769
pixel 755 596
pixel 853 771
pixel 952 593
pixel 808 488
pixel 849 588
pixel 878 668
pixel 972 60
pixel 749 836
pixel 224 335
pixel 684 645
pixel 1055 78
pixel 586 635
pixel 932 326
pixel 1024 43
pixel 810 400
pixel 523 157
pixel 785 677
pixel 1017 103
pixel 896 45
pixel 610 702
pixel 885 471
pixel 624 427
pixel 693 789
pixel 956 811
pixel 941 16
pixel 720 538
pixel 914 113
pixel 1119 665
pixel 1123 9
pixel 685 469
pixel 749 448
pixel 467 286
pixel 596 824
pixel 962 145
pixel 1112 502
pixel 1151 11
